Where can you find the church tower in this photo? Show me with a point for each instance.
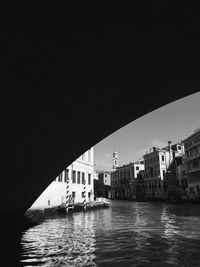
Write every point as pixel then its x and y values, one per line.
pixel 115 160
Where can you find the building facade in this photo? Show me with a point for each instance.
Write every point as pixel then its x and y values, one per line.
pixel 102 185
pixel 182 181
pixel 79 171
pixel 123 180
pixel 174 179
pixel 192 164
pixel 156 164
pixel 140 186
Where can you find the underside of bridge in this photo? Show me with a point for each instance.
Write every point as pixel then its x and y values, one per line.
pixel 73 76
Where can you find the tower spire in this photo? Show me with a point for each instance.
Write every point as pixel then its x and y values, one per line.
pixel 115 159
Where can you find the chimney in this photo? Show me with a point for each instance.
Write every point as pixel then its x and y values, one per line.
pixel 154 149
pixel 170 150
pixel 169 146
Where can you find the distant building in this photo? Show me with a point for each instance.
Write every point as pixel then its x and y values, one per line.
pixel 192 162
pixel 140 186
pixel 80 170
pixel 174 176
pixel 95 176
pixel 182 181
pixel 102 185
pixel 123 180
pixel 156 164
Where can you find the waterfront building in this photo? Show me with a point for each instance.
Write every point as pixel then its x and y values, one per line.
pixel 123 180
pixel 156 163
pixel 79 171
pixel 102 185
pixel 140 186
pixel 115 185
pixel 161 171
pixel 192 163
pixel 182 181
pixel 176 185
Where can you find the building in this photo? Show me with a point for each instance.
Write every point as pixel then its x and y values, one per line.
pixel 140 186
pixel 192 163
pixel 174 176
pixel 102 185
pixel 123 180
pixel 161 168
pixel 182 181
pixel 156 164
pixel 115 160
pixel 79 171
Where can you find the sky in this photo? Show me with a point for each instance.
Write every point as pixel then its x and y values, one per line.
pixel 172 122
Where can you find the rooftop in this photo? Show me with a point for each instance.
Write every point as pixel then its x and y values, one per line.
pixel 197 131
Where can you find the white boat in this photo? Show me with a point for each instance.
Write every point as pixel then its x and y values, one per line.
pixel 106 202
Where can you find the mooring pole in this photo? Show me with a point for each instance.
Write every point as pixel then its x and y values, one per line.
pixel 67 190
pixel 84 193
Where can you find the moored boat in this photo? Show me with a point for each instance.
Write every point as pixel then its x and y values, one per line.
pixel 64 209
pixel 106 202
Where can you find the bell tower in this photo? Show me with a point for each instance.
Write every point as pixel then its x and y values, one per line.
pixel 115 160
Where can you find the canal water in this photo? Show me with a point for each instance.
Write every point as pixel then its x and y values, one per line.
pixel 127 234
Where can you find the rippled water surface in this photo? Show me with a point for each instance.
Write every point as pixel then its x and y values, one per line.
pixel 127 234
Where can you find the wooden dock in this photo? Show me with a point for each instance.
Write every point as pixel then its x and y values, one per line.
pixel 75 207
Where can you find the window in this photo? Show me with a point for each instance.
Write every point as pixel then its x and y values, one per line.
pixel 163 173
pixel 66 175
pixel 48 202
pixel 89 178
pixel 74 177
pixel 83 194
pixel 73 195
pixel 151 169
pixel 162 157
pixel 83 177
pixel 60 177
pixel 137 168
pixel 89 194
pixel 83 156
pixel 179 148
pixel 195 163
pixel 78 177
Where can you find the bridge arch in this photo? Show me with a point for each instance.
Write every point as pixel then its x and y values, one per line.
pixel 80 74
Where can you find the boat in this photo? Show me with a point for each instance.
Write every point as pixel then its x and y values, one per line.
pixel 63 208
pixel 105 202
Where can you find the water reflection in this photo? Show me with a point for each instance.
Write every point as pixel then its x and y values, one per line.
pixel 170 233
pixel 129 233
pixel 67 241
pixel 141 227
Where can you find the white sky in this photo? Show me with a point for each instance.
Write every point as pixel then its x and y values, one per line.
pixel 173 122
